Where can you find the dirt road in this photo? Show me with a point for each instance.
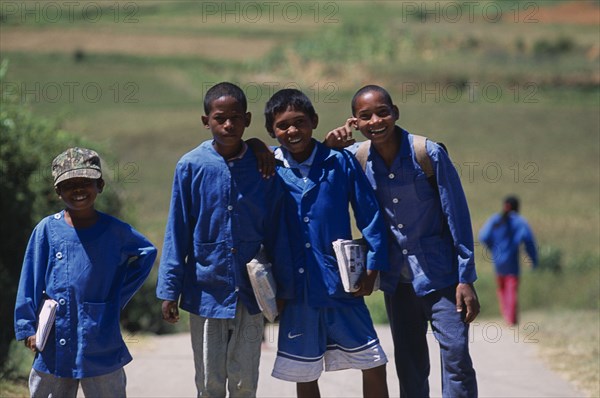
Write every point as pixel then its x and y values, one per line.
pixel 505 361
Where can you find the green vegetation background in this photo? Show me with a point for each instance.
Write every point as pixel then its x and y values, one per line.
pixel 515 99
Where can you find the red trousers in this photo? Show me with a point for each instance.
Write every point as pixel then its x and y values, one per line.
pixel 507 287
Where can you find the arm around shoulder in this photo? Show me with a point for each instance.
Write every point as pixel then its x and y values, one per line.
pixel 264 156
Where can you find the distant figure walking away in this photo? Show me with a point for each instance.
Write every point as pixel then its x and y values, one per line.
pixel 503 234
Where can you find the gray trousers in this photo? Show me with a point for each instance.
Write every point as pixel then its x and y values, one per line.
pixel 44 385
pixel 227 353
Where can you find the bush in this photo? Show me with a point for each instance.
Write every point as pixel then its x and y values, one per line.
pixel 550 259
pixel 545 47
pixel 365 44
pixel 575 287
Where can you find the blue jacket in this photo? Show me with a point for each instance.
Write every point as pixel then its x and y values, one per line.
pixel 220 213
pixel 504 238
pixel 430 234
pixel 92 273
pixel 318 213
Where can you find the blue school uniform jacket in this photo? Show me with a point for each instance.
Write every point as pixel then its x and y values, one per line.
pixel 220 213
pixel 317 208
pixel 504 236
pixel 430 234
pixel 92 273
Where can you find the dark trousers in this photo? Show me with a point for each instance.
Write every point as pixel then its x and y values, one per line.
pixel 409 315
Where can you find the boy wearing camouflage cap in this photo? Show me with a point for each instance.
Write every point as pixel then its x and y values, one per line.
pixel 91 264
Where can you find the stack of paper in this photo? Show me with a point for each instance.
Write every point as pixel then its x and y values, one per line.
pixel 263 284
pixel 352 262
pixel 45 323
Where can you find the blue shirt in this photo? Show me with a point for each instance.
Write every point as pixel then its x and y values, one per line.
pixel 220 214
pixel 317 209
pixel 504 236
pixel 92 273
pixel 430 234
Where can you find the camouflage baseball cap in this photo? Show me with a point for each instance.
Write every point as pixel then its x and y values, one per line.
pixel 76 162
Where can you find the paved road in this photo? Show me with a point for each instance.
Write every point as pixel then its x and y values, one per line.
pixel 505 361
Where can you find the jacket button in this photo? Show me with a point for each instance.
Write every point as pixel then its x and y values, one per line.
pixel 301 270
pixel 62 342
pixel 233 250
pixel 59 255
pixel 57 216
pixel 62 301
pixel 307 245
pixel 404 251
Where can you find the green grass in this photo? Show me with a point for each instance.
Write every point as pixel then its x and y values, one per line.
pixel 14 388
pixel 535 136
pixel 569 344
pixel 536 145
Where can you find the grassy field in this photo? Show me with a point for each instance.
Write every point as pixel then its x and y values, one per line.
pixel 567 347
pixel 510 87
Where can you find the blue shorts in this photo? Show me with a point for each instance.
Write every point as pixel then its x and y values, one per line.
pixel 338 338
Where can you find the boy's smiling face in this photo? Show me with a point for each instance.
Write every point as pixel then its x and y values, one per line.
pixel 376 116
pixel 293 129
pixel 227 121
pixel 79 194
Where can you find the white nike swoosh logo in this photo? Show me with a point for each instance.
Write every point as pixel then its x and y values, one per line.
pixel 293 336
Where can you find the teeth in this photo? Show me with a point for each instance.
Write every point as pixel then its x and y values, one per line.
pixel 294 140
pixel 378 131
pixel 79 197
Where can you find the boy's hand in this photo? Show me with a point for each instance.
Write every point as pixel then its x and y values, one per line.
pixel 170 312
pixel 280 305
pixel 341 137
pixel 264 156
pixel 30 343
pixel 366 283
pixel 466 296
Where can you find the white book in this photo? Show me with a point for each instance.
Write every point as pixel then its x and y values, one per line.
pixel 263 284
pixel 45 323
pixel 352 262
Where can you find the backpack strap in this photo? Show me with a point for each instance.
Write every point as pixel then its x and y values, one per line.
pixel 362 153
pixel 420 148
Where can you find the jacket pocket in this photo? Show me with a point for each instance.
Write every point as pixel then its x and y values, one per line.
pixel 209 254
pixel 100 324
pixel 423 187
pixel 436 256
pixel 211 261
